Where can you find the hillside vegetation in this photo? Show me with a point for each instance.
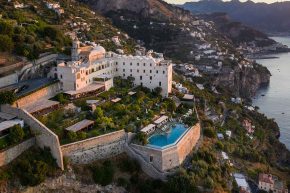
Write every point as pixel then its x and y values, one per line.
pixel 35 29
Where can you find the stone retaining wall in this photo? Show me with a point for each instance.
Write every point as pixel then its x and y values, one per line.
pixel 8 155
pixel 149 169
pixel 44 93
pixel 101 147
pixel 44 136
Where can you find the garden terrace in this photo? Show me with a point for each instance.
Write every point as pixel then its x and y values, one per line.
pixel 12 134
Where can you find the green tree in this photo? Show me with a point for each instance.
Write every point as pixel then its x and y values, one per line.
pixel 209 132
pixel 98 113
pixel 16 134
pixel 142 137
pixel 170 105
pixel 7 97
pixel 72 136
pixel 6 43
pixel 6 28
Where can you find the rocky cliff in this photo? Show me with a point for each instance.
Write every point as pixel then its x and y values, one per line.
pixel 154 9
pixel 243 82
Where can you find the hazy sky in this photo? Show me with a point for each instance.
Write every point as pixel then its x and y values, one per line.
pixel 183 1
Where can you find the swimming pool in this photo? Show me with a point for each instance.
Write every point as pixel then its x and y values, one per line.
pixel 166 139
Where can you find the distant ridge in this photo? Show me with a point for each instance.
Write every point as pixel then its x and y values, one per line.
pixel 271 18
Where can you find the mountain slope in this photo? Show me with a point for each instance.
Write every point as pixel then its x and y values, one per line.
pixel 178 36
pixel 237 31
pixel 266 17
pixel 154 9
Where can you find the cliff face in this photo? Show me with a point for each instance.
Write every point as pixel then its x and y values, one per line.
pixel 243 82
pixel 154 9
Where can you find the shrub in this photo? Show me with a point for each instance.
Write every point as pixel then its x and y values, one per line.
pixel 33 167
pixel 219 145
pixel 123 182
pixel 6 43
pixel 81 135
pixel 142 137
pixel 129 165
pixel 34 174
pixel 209 132
pixel 61 98
pixel 16 134
pixel 72 136
pixel 180 183
pixel 103 174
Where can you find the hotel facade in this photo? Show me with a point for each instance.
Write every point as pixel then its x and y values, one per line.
pixel 93 68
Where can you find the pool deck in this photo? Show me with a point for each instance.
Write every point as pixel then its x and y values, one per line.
pixel 171 156
pixel 169 145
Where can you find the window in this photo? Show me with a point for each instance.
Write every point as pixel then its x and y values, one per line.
pixel 151 158
pixel 144 64
pixel 130 74
pixel 116 63
pixel 144 71
pixel 130 63
pixel 123 63
pixel 137 70
pixel 140 77
pixel 156 71
pixel 150 64
pixel 123 70
pixel 116 69
pixel 123 75
pixel 150 71
pixel 150 77
pixel 137 64
pixel 61 76
pixel 163 72
pixel 130 70
pixel 141 83
pixel 159 83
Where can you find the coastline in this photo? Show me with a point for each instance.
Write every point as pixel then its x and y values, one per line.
pixel 272 100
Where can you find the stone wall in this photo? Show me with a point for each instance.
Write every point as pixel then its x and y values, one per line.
pixel 171 157
pixel 8 155
pixel 101 147
pixel 44 93
pixel 44 136
pixel 12 67
pixel 148 168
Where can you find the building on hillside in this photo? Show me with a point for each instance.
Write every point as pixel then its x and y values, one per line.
pixel 268 182
pixel 247 124
pixel 92 70
pixel 242 183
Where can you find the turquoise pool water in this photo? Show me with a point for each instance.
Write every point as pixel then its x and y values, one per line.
pixel 166 139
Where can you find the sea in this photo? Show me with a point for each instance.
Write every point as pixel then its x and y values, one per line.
pixel 274 100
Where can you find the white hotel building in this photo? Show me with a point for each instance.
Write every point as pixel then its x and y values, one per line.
pixel 93 69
